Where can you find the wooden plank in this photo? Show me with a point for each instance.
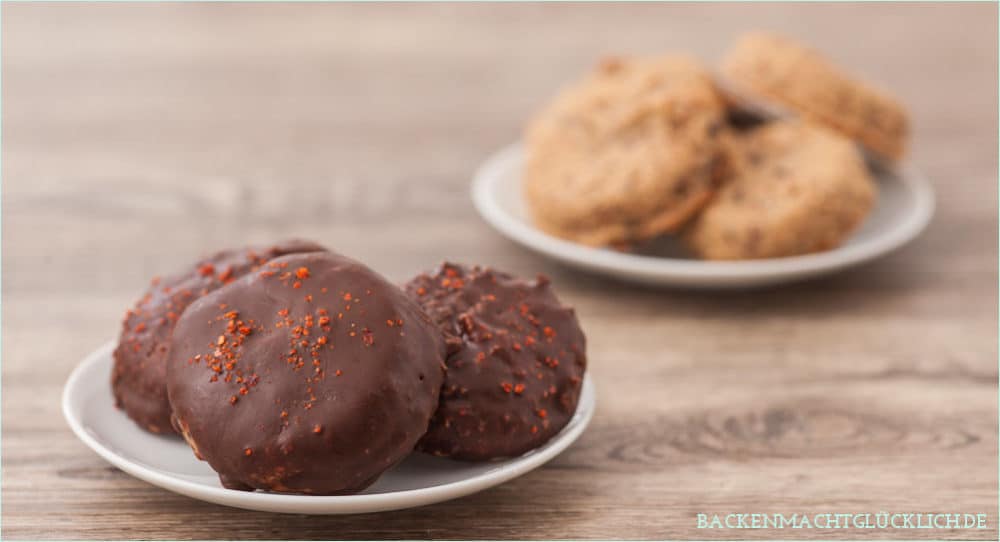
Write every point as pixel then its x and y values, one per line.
pixel 138 136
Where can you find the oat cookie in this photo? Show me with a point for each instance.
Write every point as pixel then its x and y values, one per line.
pixel 796 188
pixel 626 154
pixel 804 81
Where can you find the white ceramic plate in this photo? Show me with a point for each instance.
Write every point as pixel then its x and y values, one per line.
pixel 169 463
pixel 905 205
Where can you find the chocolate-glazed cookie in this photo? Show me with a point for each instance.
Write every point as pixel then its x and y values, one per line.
pixel 138 378
pixel 312 375
pixel 515 363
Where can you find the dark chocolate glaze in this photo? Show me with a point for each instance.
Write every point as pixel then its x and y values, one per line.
pixel 312 375
pixel 138 378
pixel 516 359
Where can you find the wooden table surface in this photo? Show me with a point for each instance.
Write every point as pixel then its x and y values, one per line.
pixel 136 137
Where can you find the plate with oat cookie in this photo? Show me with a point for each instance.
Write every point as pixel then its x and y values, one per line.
pixel 662 170
pixel 902 209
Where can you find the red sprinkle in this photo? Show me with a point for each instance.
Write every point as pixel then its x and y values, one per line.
pixel 206 270
pixel 302 272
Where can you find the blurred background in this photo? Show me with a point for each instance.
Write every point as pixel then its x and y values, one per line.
pixel 139 136
pixel 202 125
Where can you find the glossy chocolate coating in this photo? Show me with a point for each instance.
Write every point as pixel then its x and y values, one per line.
pixel 138 378
pixel 516 359
pixel 313 375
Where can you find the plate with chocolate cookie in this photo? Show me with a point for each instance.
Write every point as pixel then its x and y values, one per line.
pixel 654 170
pixel 290 378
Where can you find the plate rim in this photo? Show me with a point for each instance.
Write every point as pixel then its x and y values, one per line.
pixel 490 173
pixel 320 504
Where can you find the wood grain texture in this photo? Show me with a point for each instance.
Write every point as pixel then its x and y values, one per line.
pixel 139 136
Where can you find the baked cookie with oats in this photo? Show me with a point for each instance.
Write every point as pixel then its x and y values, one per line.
pixel 516 360
pixel 312 375
pixel 628 153
pixel 804 81
pixel 796 188
pixel 138 378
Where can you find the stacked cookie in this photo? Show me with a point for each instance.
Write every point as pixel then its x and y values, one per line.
pixel 801 80
pixel 645 147
pixel 293 369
